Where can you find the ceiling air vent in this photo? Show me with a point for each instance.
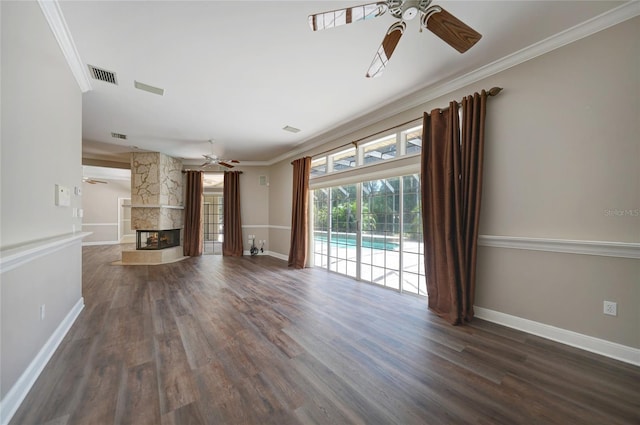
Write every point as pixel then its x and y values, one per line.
pixel 103 75
pixel 291 129
pixel 119 136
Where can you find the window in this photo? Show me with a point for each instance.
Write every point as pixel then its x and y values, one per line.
pixel 380 150
pixel 413 140
pixel 318 167
pixel 343 160
pixel 402 143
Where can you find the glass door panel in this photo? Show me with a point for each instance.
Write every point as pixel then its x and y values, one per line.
pixel 413 276
pixel 321 228
pixel 380 232
pixel 343 230
pixel 213 223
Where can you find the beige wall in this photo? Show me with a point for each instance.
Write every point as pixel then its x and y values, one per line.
pixel 280 195
pixel 562 150
pixel 254 202
pixel 41 120
pixel 41 146
pixel 100 203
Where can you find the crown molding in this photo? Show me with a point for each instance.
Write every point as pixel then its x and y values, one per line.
pixel 58 25
pixel 596 24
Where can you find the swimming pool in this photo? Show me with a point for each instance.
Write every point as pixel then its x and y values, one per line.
pixel 368 241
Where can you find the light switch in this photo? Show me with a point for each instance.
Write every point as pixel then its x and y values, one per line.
pixel 63 196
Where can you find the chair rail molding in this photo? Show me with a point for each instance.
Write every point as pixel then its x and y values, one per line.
pixel 17 256
pixel 569 246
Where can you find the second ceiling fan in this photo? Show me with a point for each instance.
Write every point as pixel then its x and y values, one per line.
pixel 212 159
pixel 450 29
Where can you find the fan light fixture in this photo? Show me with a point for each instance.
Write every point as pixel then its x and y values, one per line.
pixel 409 10
pixel 450 29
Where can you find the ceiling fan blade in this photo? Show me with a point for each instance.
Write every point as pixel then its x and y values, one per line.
pixel 450 29
pixel 224 164
pixel 386 49
pixel 335 18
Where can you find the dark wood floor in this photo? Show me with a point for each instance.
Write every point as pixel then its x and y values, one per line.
pixel 216 340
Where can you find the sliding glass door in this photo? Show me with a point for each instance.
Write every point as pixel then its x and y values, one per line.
pixel 372 231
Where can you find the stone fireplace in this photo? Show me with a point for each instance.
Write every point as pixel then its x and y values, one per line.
pixel 156 208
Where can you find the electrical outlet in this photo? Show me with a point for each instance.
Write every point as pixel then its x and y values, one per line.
pixel 610 308
pixel 42 312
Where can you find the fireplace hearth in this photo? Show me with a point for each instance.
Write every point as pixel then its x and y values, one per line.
pixel 157 239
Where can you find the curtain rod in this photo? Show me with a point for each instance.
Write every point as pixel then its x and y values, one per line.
pixel 491 92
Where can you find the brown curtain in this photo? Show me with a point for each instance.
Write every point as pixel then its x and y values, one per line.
pixel 451 173
pixel 232 241
pixel 193 215
pixel 299 206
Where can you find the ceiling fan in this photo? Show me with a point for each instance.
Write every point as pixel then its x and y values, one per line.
pixel 212 159
pixel 450 29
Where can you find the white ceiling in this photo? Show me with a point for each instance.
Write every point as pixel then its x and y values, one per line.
pixel 239 71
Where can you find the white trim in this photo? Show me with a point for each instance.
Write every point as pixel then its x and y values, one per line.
pixel 585 342
pixel 404 166
pixel 269 253
pixel 15 257
pixel 601 248
pixel 15 396
pixel 280 227
pixel 278 255
pixel 58 25
pixel 99 224
pixel 265 226
pixel 601 22
pixel 101 243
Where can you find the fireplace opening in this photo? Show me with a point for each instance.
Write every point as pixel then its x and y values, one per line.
pixel 157 239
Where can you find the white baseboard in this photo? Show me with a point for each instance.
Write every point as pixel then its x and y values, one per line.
pixel 278 255
pixel 585 342
pixel 269 253
pixel 101 243
pixel 14 397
